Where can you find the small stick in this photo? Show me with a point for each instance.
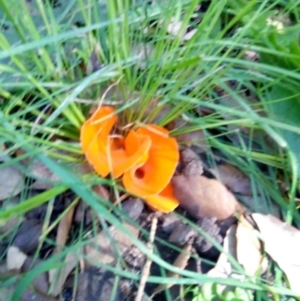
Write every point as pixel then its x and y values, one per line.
pixel 146 269
pixel 180 262
pixel 107 90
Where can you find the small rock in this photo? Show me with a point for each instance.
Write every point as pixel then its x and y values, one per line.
pixel 133 207
pixel 15 258
pixel 27 238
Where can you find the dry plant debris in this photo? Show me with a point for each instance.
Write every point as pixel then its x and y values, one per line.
pixel 181 262
pixel 146 269
pixel 223 267
pixel 248 249
pixel 58 277
pixel 63 230
pixel 282 243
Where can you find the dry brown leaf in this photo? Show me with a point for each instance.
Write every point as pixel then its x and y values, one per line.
pixel 101 250
pixel 203 197
pixel 58 277
pixel 232 178
pixel 181 262
pixel 248 248
pixel 11 182
pixel 15 258
pixel 223 267
pixel 63 230
pixel 282 243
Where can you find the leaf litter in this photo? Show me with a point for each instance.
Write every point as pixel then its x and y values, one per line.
pixel 281 242
pixel 209 202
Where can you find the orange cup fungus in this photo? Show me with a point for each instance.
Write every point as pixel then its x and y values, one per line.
pixel 146 157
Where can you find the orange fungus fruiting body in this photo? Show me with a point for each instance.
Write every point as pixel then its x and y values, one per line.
pixel 146 157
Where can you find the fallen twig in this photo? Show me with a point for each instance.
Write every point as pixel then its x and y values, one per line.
pixel 146 269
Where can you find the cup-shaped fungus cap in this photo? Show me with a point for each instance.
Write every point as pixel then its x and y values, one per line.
pixel 110 153
pixel 153 176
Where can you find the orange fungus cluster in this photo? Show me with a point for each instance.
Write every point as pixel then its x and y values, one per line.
pixel 146 158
